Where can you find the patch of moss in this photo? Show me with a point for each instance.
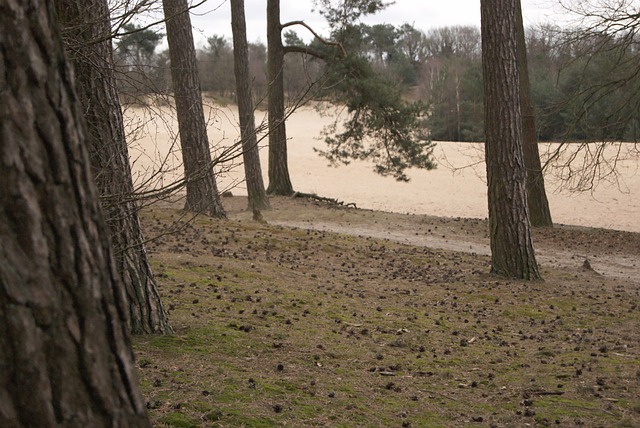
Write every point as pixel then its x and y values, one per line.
pixel 178 420
pixel 242 419
pixel 200 406
pixel 555 407
pixel 524 311
pixel 200 340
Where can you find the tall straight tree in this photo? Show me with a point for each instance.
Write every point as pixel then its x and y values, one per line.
pixel 202 190
pixel 258 199
pixel 539 212
pixel 86 31
pixel 279 178
pixel 65 358
pixel 512 251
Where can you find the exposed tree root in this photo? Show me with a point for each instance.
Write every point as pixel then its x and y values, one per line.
pixel 331 201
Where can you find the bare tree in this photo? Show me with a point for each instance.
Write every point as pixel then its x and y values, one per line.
pixel 258 199
pixel 87 30
pixel 64 347
pixel 512 251
pixel 202 191
pixel 605 49
pixel 215 67
pixel 138 72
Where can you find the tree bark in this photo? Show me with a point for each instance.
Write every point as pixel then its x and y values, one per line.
pixel 539 212
pixel 279 179
pixel 202 191
pixel 258 199
pixel 65 358
pixel 512 251
pixel 86 31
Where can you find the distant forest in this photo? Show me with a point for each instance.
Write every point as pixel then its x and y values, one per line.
pixel 584 88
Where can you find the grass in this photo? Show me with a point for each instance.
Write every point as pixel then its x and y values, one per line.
pixel 287 327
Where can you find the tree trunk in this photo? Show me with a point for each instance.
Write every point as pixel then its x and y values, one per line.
pixel 539 212
pixel 458 118
pixel 86 30
pixel 258 199
pixel 512 251
pixel 202 191
pixel 279 180
pixel 65 358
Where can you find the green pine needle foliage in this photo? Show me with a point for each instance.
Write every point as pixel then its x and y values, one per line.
pixel 381 127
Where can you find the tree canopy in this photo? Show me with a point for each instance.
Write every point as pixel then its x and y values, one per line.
pixel 381 126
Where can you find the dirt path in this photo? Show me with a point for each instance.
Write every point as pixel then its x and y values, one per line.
pixel 613 254
pixel 612 266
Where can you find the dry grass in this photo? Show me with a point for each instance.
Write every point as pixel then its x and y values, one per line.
pixel 278 326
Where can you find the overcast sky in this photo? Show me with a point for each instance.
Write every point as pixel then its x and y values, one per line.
pixel 213 17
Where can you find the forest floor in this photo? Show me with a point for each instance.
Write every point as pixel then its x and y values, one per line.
pixel 331 316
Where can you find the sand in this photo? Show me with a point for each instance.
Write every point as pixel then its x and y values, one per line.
pixel 457 188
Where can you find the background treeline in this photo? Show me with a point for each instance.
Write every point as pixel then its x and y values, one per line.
pixel 583 88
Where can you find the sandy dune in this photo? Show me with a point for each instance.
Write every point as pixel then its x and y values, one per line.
pixel 457 188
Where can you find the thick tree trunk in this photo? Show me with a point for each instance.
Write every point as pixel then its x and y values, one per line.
pixel 279 179
pixel 539 212
pixel 512 251
pixel 202 191
pixel 86 30
pixel 65 358
pixel 258 199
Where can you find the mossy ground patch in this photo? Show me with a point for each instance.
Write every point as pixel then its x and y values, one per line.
pixel 292 327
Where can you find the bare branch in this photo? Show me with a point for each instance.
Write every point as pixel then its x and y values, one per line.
pixel 317 36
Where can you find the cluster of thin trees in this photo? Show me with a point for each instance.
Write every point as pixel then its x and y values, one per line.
pixel 583 88
pixel 583 85
pixel 74 276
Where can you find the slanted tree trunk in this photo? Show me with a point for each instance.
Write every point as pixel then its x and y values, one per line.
pixel 512 251
pixel 258 199
pixel 65 359
pixel 279 179
pixel 539 212
pixel 202 191
pixel 86 30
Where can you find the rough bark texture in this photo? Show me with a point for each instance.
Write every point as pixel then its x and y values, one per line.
pixel 65 358
pixel 258 199
pixel 510 233
pixel 202 192
pixel 279 179
pixel 86 30
pixel 539 213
